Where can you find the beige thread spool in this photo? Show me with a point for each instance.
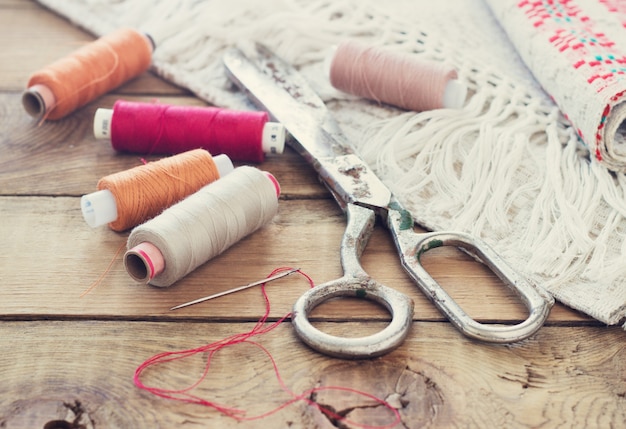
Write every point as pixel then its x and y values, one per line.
pixel 200 227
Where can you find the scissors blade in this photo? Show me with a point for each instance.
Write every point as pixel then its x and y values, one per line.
pixel 289 78
pixel 276 87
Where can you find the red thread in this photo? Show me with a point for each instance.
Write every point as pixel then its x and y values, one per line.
pixel 185 395
pixel 154 128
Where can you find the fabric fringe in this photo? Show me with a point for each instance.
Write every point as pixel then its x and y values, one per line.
pixel 507 167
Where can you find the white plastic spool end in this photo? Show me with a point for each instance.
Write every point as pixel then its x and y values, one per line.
pixel 273 138
pixel 454 95
pixel 224 164
pixel 99 208
pixel 102 123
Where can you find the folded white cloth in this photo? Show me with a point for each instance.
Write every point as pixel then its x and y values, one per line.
pixel 509 166
pixel 577 51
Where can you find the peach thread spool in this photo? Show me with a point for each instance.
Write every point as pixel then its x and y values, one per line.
pixel 398 79
pixel 128 198
pixel 87 73
pixel 202 226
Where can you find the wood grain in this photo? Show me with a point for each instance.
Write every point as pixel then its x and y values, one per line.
pixel 436 378
pixel 52 250
pixel 68 361
pixel 34 37
pixel 64 158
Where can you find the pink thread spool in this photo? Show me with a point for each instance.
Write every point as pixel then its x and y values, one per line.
pixel 154 128
pixel 395 78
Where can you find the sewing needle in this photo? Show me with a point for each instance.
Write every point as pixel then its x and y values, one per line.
pixel 237 289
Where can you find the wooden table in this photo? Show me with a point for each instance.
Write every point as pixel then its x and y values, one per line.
pixel 69 357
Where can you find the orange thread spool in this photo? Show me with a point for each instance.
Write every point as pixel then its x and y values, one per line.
pixel 87 73
pixel 145 191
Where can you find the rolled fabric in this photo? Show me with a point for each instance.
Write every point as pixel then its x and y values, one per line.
pixel 577 51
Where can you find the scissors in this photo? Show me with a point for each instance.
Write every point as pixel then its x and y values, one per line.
pixel 275 86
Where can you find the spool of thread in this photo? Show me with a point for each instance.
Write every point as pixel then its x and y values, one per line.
pixel 200 227
pixel 87 73
pixel 395 78
pixel 128 198
pixel 153 128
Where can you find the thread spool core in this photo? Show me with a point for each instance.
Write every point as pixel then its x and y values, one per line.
pixel 150 40
pixel 144 261
pixel 37 100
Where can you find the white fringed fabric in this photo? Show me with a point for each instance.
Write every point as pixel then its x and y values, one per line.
pixel 508 167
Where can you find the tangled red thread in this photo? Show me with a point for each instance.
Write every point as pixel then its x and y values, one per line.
pixel 261 327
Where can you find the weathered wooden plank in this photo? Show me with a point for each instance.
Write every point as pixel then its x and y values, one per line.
pixel 436 378
pixel 64 158
pixel 570 374
pixel 50 257
pixel 25 50
pixel 18 4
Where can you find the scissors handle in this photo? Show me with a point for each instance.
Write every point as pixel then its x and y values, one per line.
pixel 412 246
pixel 355 283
